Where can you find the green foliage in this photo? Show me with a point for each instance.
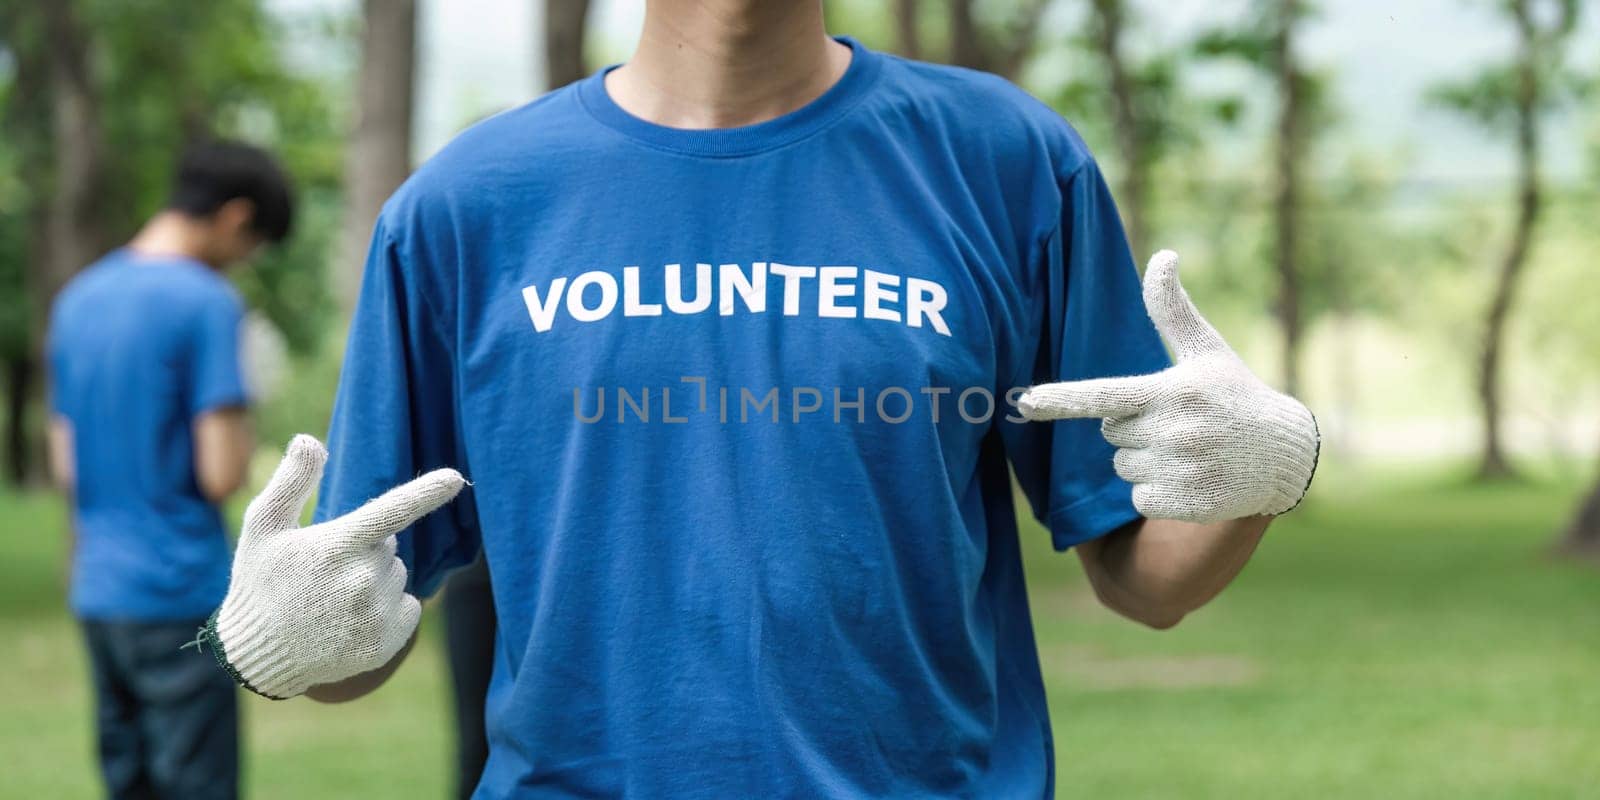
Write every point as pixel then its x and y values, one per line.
pixel 866 21
pixel 304 403
pixel 1565 343
pixel 229 79
pixel 1249 41
pixel 16 315
pixel 1489 98
pixel 1351 231
pixel 1160 101
pixel 1344 222
pixel 289 283
pixel 167 72
pixel 1158 104
pixel 1251 45
pixel 21 114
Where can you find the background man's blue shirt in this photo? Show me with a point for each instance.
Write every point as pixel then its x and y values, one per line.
pixel 139 346
pixel 714 604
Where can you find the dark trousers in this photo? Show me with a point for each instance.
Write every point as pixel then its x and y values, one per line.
pixel 469 633
pixel 167 718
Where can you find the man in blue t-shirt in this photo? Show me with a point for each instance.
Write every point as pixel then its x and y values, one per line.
pixel 149 435
pixel 736 342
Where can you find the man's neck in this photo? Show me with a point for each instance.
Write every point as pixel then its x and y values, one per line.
pixel 170 233
pixel 725 63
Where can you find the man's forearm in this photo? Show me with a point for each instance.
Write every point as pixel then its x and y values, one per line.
pixel 62 462
pixel 1156 571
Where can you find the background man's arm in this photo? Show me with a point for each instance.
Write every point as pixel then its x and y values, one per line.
pixel 63 470
pixel 64 474
pixel 1156 571
pixel 223 442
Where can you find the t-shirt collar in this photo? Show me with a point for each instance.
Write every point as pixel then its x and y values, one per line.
pixel 744 140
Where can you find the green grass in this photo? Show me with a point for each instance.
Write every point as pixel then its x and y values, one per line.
pixel 395 743
pixel 1401 636
pixel 1395 638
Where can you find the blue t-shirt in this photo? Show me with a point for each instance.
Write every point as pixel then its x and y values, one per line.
pixel 724 399
pixel 139 346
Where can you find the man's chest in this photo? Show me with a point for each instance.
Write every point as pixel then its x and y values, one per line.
pixel 775 279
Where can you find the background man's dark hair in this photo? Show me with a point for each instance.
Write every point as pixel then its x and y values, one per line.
pixel 213 172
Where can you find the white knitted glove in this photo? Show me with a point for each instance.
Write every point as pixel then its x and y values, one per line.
pixel 315 605
pixel 1203 440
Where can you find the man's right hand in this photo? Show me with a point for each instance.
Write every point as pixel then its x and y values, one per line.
pixel 315 605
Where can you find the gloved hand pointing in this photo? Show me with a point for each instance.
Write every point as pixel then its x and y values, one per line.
pixel 1203 440
pixel 315 605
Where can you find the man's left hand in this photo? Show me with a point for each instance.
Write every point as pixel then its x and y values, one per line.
pixel 1203 440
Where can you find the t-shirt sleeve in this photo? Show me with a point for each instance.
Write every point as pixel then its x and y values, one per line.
pixel 216 379
pixel 1091 324
pixel 395 414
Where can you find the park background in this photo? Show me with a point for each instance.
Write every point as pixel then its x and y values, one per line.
pixel 1380 203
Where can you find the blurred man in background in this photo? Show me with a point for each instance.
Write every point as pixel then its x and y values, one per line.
pixel 149 435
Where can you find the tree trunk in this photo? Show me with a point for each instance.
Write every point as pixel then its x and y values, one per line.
pixel 74 230
pixel 565 27
pixel 908 38
pixel 19 468
pixel 1021 37
pixel 379 155
pixel 1003 55
pixel 1583 535
pixel 966 44
pixel 1493 462
pixel 1286 199
pixel 68 229
pixel 27 102
pixel 1109 22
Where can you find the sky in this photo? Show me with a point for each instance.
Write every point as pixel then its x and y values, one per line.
pixel 477 57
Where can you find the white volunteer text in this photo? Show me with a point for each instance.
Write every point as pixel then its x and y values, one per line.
pixel 592 296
